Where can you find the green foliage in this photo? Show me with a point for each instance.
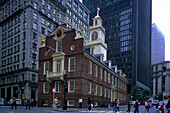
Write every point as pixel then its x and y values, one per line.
pixel 159 96
pixel 139 94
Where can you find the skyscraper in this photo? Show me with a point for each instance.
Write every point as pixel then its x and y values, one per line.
pixel 158 45
pixel 128 36
pixel 22 24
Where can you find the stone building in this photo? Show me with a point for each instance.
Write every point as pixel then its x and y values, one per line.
pixel 84 66
pixel 161 78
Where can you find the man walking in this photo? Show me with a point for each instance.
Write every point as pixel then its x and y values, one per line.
pixel 80 102
pixel 136 107
pixel 115 106
pixel 56 101
pixel 14 103
pixel 28 104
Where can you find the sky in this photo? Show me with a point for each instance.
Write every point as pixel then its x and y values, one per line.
pixel 161 17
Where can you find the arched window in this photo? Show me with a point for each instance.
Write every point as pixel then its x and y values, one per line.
pixel 94 36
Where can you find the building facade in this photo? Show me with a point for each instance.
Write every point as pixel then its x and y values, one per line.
pixel 161 78
pixel 128 36
pixel 158 45
pixel 66 57
pixel 23 23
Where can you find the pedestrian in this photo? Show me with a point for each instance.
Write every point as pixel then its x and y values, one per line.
pixel 118 105
pixel 80 102
pixel 27 104
pixel 162 108
pixel 56 101
pixel 129 106
pixel 14 103
pixel 168 106
pixel 146 106
pixel 136 107
pixel 157 108
pixel 115 106
pixel 149 106
pixel 89 104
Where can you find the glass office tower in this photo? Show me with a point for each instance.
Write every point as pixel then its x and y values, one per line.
pixel 128 36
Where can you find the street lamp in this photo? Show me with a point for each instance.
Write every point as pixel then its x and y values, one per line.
pixel 65 101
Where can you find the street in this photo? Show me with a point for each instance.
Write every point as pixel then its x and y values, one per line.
pixel 21 109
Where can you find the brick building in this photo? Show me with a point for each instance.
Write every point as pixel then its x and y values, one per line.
pixel 88 74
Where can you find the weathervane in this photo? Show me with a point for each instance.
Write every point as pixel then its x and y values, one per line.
pixel 98 9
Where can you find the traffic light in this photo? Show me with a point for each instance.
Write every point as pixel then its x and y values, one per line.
pixel 144 97
pixel 165 97
pixel 65 81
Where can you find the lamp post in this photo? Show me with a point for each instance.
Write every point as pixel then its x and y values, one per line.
pixel 65 101
pixel 53 97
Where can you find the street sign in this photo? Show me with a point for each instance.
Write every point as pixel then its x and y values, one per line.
pixel 53 90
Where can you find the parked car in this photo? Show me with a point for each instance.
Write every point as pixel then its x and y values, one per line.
pixel 18 102
pixel 155 102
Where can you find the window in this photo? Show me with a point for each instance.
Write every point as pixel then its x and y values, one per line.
pixel 108 93
pixel 94 36
pixel 89 87
pixel 90 67
pixel 75 7
pixel 35 16
pixel 80 12
pixel 70 103
pixel 35 5
pixel 49 6
pixel 24 25
pixel 58 63
pixel 34 45
pixel 49 24
pixel 54 11
pixel 95 70
pixel 45 88
pixel 59 46
pixel 108 78
pixel 33 77
pixel 95 89
pixel 43 11
pixel 71 86
pixel 43 2
pixel 35 26
pixel 105 76
pixel 43 30
pixel 85 17
pixel 49 15
pixel 58 86
pixel 69 3
pixel 100 91
pixel 34 35
pixel 71 64
pixel 46 67
pixel 104 92
pixel 42 21
pixel 112 80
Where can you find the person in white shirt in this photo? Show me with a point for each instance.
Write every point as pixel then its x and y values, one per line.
pixel 80 102
pixel 56 101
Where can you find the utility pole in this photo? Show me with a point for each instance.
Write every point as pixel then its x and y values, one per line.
pixel 65 101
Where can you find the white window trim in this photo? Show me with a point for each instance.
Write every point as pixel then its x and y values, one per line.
pixel 101 73
pixel 90 67
pixel 96 70
pixel 100 93
pixel 69 85
pixel 69 104
pixel 55 87
pixel 44 87
pixel 44 67
pixel 69 64
pixel 90 87
pixel 95 93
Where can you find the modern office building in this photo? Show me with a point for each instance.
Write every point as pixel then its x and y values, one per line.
pixel 128 36
pixel 22 24
pixel 158 45
pixel 66 62
pixel 161 78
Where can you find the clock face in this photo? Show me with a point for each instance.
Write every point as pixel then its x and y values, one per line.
pixel 59 33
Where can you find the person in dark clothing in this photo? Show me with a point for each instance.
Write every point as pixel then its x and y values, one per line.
pixel 115 106
pixel 28 104
pixel 129 106
pixel 89 104
pixel 14 103
pixel 168 106
pixel 136 107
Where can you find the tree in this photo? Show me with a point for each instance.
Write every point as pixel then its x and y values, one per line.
pixel 136 93
pixel 146 93
pixel 159 96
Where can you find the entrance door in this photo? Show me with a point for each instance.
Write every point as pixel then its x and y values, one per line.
pixel 8 93
pixel 33 92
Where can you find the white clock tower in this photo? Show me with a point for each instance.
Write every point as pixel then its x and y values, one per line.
pixel 97 38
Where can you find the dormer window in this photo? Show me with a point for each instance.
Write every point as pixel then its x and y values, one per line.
pixel 95 22
pixel 94 36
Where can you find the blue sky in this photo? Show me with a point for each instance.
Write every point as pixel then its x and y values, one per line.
pixel 161 17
